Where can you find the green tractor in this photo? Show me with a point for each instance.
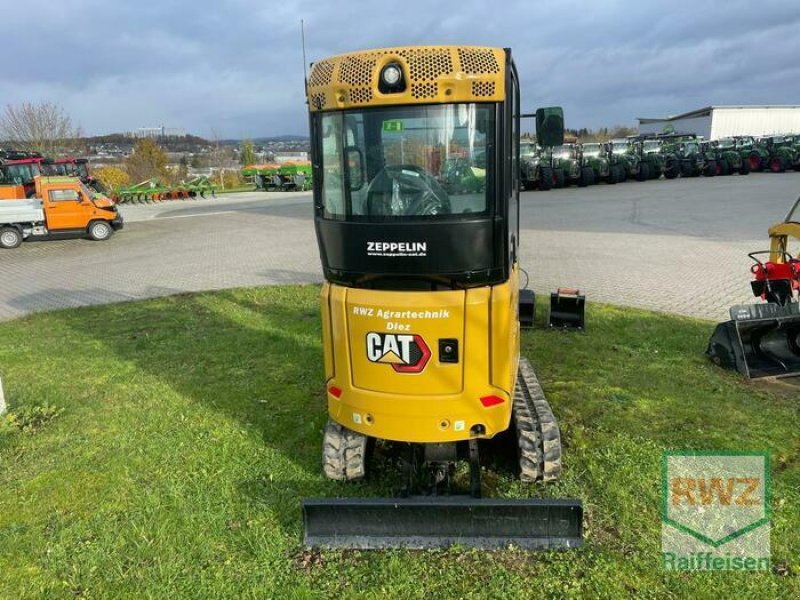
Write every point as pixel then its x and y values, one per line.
pixel 668 149
pixel 693 160
pixel 781 152
pixel 795 142
pixel 726 156
pixel 533 172
pixel 754 154
pixel 567 157
pixel 549 161
pixel 624 151
pixel 595 156
pixel 649 151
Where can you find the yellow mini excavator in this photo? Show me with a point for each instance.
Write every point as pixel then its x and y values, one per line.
pixel 416 198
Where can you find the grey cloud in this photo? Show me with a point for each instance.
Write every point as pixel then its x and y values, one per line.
pixel 235 65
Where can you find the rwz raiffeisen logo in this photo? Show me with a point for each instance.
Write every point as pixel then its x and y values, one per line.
pixel 405 353
pixel 716 511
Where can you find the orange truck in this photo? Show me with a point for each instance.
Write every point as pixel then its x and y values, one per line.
pixel 62 207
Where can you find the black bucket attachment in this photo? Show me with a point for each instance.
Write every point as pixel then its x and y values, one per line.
pixel 567 308
pixel 527 309
pixel 441 521
pixel 760 340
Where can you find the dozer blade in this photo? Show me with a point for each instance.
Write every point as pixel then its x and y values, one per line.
pixel 440 521
pixel 760 340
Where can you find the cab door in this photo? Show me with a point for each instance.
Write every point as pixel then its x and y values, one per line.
pixel 64 209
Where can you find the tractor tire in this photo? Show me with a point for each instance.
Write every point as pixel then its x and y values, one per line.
pixel 558 176
pixel 644 172
pixel 100 231
pixel 745 168
pixel 710 170
pixel 344 453
pixel 613 175
pixel 587 177
pixel 755 161
pixel 776 164
pixel 723 167
pixel 545 178
pixel 672 170
pixel 10 237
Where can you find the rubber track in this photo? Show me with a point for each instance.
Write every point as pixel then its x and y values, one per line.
pixel 344 453
pixel 538 437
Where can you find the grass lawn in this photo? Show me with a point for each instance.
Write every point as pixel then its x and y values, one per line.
pixel 160 449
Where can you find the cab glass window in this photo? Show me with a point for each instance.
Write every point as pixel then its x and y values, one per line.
pixel 64 196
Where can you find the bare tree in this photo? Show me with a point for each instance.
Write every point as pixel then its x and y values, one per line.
pixel 43 127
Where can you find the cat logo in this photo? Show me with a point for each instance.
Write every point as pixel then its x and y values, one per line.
pixel 405 353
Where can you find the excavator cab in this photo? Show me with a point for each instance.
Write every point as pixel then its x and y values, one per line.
pixel 416 203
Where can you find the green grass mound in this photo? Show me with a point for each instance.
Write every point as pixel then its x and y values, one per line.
pixel 161 448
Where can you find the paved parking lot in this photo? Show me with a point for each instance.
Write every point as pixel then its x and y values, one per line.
pixel 678 246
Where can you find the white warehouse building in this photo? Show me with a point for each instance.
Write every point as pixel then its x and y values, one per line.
pixel 714 122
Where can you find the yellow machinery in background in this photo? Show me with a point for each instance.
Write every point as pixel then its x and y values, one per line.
pixel 415 157
pixel 763 340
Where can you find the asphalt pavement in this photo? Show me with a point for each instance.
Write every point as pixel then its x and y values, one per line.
pixel 675 246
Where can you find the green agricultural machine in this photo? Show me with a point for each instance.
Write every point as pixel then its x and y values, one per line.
pixel 649 152
pixel 198 186
pixel 781 152
pixel 147 191
pixel 280 177
pixel 637 165
pixel 727 157
pixel 297 177
pixel 693 160
pixel 535 172
pixel 154 190
pixel 567 157
pixel 594 156
pixel 755 154
pixel 549 162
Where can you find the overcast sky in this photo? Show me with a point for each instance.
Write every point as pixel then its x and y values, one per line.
pixel 234 67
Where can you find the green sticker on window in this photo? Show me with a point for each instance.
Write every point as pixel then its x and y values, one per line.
pixel 394 125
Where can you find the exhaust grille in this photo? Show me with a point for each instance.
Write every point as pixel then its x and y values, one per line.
pixel 483 89
pixel 360 95
pixel 357 70
pixel 426 64
pixel 477 61
pixel 321 73
pixel 424 90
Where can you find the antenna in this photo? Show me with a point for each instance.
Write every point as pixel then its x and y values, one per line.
pixel 305 64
